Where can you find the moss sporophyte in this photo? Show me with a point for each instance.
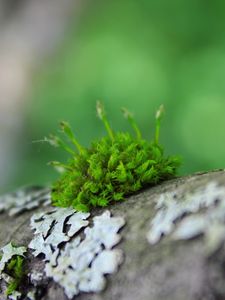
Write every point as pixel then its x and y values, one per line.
pixel 112 168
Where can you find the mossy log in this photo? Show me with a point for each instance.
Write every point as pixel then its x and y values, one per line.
pixel 170 269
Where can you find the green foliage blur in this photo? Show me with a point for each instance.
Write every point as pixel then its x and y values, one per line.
pixel 135 54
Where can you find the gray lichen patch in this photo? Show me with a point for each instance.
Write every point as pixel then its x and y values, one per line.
pixel 24 199
pixel 8 252
pixel 80 265
pixel 49 229
pixel 15 296
pixel 187 216
pixel 31 295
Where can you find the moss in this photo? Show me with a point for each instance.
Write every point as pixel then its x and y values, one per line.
pixel 112 168
pixel 16 270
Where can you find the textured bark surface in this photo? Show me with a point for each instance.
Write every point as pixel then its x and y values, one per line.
pixel 171 270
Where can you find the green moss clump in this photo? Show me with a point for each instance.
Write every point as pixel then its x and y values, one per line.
pixel 112 168
pixel 15 269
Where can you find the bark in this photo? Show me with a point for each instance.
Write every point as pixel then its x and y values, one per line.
pixel 171 270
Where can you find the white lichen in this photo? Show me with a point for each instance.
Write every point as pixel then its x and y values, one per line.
pixel 79 265
pixel 190 215
pixel 35 277
pixel 15 296
pixel 39 246
pixel 49 229
pixel 24 199
pixel 190 227
pixel 8 252
pixel 31 295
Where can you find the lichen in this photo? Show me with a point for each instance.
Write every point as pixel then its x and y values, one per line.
pixel 49 229
pixel 8 252
pixel 12 268
pixel 81 263
pixel 24 199
pixel 112 168
pixel 15 295
pixel 31 295
pixel 186 216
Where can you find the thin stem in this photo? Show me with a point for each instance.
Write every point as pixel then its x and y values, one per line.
pixel 102 116
pixel 68 131
pixel 133 123
pixel 159 115
pixel 157 131
pixel 58 164
pixel 55 141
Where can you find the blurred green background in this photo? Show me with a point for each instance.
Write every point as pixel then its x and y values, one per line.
pixel 136 54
